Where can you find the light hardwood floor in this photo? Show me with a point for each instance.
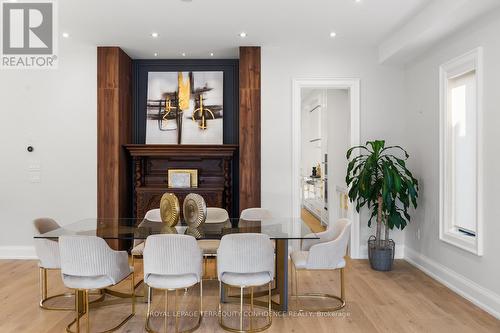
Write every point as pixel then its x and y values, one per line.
pixel 404 300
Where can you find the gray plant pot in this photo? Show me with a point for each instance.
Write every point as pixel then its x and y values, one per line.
pixel 381 257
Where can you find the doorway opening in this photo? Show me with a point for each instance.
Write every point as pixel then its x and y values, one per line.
pixel 325 125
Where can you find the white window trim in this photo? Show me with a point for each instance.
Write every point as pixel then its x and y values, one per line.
pixel 472 60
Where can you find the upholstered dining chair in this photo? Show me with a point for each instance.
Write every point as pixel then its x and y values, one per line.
pixel 245 260
pixel 255 214
pixel 47 251
pixel 326 253
pixel 152 215
pixel 87 262
pixel 209 246
pixel 172 262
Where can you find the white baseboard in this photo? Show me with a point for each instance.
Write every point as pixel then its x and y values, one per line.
pixel 480 296
pixel 17 252
pixel 400 252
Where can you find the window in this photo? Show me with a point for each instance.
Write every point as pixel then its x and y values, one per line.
pixel 460 152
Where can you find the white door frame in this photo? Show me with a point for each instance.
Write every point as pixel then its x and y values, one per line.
pixel 353 84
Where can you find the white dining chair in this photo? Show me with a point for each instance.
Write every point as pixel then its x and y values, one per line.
pixel 245 260
pixel 216 215
pixel 47 251
pixel 172 262
pixel 87 263
pixel 324 254
pixel 209 246
pixel 255 214
pixel 152 215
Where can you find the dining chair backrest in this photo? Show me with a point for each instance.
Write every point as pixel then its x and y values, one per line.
pixel 90 256
pixel 171 254
pixel 47 250
pixel 327 255
pixel 216 215
pixel 45 224
pixel 245 253
pixel 255 214
pixel 153 215
pixel 332 231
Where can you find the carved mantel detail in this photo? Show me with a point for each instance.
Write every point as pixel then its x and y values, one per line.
pixel 215 172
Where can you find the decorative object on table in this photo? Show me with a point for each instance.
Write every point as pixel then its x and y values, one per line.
pixel 177 178
pixel 194 210
pixel 195 232
pixel 169 209
pixel 381 181
pixel 174 96
pixel 318 170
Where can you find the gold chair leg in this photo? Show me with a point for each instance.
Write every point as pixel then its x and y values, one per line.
pixel 44 281
pixel 241 308
pixel 132 289
pixel 176 313
pixel 201 297
pixel 82 307
pixel 251 309
pixel 87 310
pixel 270 314
pixel 165 323
pixel 77 308
pixel 342 284
pixel 296 284
pixel 342 298
pixel 252 305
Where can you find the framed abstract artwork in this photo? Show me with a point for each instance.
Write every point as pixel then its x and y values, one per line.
pixel 185 107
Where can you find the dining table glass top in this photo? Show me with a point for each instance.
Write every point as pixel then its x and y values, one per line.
pixel 131 228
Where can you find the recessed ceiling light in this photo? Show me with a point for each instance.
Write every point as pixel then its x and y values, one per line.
pixel 183 54
pixel 211 54
pixel 155 54
pixel 333 34
pixel 154 35
pixel 358 1
pixel 65 35
pixel 243 34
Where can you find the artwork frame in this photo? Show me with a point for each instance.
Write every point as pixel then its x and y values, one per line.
pixel 193 177
pixel 230 68
pixel 185 107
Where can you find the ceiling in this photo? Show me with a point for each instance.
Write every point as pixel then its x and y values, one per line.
pixel 200 27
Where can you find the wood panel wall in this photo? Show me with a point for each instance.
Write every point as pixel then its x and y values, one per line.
pixel 114 115
pixel 249 131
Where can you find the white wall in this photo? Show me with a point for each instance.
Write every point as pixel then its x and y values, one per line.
pixel 55 111
pixel 475 277
pixel 382 103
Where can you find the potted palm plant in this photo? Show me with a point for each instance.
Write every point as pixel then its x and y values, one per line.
pixel 378 179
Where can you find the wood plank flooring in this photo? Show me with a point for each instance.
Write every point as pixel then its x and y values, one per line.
pixel 404 300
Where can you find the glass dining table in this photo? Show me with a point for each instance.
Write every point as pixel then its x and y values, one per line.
pixel 120 232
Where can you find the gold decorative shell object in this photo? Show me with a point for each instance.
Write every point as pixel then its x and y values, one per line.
pixel 169 209
pixel 195 210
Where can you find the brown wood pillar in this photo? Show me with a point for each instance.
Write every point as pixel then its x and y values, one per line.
pixel 114 128
pixel 249 129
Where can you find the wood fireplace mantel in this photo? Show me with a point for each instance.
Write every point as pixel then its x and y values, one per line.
pixel 215 173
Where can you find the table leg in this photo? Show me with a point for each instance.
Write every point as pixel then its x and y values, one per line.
pixel 282 273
